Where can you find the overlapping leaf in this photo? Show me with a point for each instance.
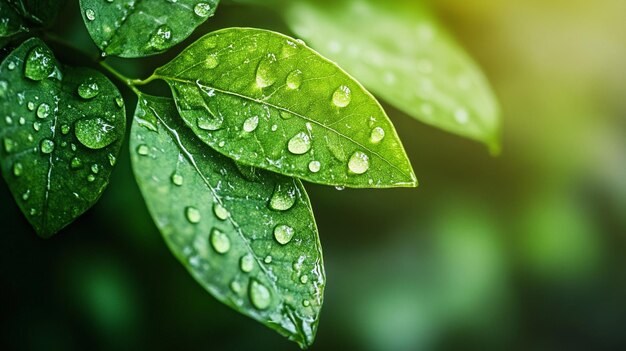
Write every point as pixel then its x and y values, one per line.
pixel 137 28
pixel 269 101
pixel 17 16
pixel 248 237
pixel 61 131
pixel 400 52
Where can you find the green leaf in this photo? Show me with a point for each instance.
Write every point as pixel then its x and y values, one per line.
pixel 250 240
pixel 16 16
pixel 400 52
pixel 61 131
pixel 138 28
pixel 269 101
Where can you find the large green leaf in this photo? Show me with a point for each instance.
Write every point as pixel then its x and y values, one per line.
pixel 267 100
pixel 137 28
pixel 61 131
pixel 400 52
pixel 249 238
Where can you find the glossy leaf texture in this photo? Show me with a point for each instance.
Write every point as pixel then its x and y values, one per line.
pixel 269 101
pixel 61 131
pixel 18 16
pixel 400 52
pixel 138 28
pixel 248 237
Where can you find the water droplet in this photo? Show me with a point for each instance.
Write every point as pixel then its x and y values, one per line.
pixel 9 145
pixel 47 146
pixel 4 87
pixel 95 168
pixel 91 178
pixel 250 124
pixel 283 198
pixel 192 214
pixel 17 169
pixel 306 303
pixel 246 263
pixel 461 116
pixel 377 135
pixel 220 211
pixel 22 121
pixel 119 101
pixel 210 122
pixel 202 9
pixel 304 278
pixel 90 14
pixel 274 127
pixel 285 115
pixel 8 120
pixel 112 159
pixel 268 259
pixel 43 111
pixel 359 163
pixel 265 75
pixel 342 96
pixel 177 179
pixel 95 133
pixel 294 79
pixel 26 195
pixel 211 61
pixel 235 286
pixel 314 166
pixel 259 295
pixel 39 63
pixel 219 241
pixel 76 163
pixel 143 150
pixel 88 89
pixel 36 126
pixel 161 38
pixel 299 144
pixel 11 66
pixel 283 234
pixel 30 105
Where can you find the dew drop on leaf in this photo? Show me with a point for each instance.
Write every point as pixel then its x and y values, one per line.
pixel 283 198
pixel 294 79
pixel 377 135
pixel 202 9
pixel 17 169
pixel 4 87
pixel 91 178
pixel 36 126
pixel 210 122
pixel 359 163
pixel 161 37
pixel 259 295
pixel 461 116
pixel 88 89
pixel 211 61
pixel 306 303
pixel 143 150
pixel 177 179
pixel 268 259
pixel 220 211
pixel 304 279
pixel 39 63
pixel 299 144
pixel 95 133
pixel 342 96
pixel 250 124
pixel 47 146
pixel 90 14
pixel 283 234
pixel 192 214
pixel 314 166
pixel 30 105
pixel 9 145
pixel 219 241
pixel 285 115
pixel 246 263
pixel 112 159
pixel 65 128
pixel 95 168
pixel 265 75
pixel 119 101
pixel 43 111
pixel 76 163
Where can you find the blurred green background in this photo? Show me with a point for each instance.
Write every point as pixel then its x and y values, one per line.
pixel 521 251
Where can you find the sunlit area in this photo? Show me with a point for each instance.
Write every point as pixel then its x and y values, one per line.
pixel 515 238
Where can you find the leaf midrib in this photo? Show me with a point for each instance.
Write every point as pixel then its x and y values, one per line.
pixel 166 78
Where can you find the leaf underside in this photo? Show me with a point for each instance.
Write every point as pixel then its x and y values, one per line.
pixel 138 28
pixel 403 55
pixel 247 236
pixel 58 149
pixel 268 101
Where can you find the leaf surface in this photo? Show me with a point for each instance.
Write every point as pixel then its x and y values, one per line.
pixel 248 237
pixel 400 52
pixel 61 131
pixel 138 28
pixel 268 101
pixel 17 16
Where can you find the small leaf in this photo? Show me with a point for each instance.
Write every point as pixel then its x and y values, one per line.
pixel 58 149
pixel 403 55
pixel 268 101
pixel 138 28
pixel 252 243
